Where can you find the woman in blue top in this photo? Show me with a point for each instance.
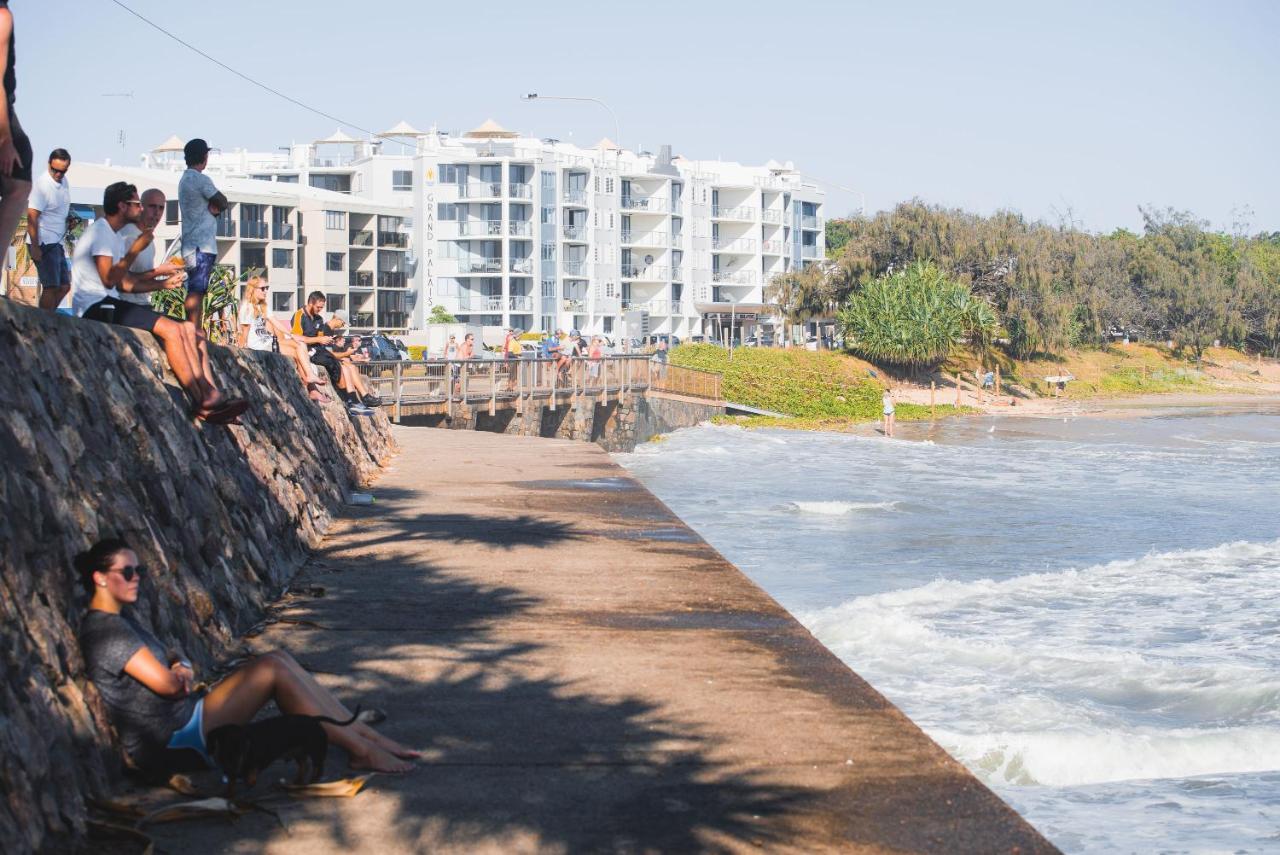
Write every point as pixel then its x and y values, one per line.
pixel 147 686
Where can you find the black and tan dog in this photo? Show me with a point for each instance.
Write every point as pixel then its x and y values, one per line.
pixel 242 751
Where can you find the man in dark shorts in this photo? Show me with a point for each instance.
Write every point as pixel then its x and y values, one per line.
pixel 310 328
pixel 47 210
pixel 15 148
pixel 200 203
pixel 100 270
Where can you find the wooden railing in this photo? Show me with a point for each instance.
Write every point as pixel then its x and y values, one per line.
pixel 693 382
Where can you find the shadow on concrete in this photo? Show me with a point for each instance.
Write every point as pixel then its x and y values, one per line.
pixel 519 758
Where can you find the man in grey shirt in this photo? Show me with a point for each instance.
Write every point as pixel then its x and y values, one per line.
pixel 200 203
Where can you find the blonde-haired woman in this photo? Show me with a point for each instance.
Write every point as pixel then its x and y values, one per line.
pixel 258 329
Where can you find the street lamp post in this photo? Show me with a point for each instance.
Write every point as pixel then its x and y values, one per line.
pixel 617 134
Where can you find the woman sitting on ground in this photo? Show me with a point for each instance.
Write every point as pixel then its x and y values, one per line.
pixel 258 328
pixel 147 687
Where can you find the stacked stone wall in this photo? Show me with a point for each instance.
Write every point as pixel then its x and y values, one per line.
pixel 96 441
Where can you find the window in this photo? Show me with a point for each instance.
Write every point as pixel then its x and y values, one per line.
pixel 286 179
pixel 548 252
pixel 335 261
pixel 608 185
pixel 548 182
pixel 282 258
pixel 595 182
pixel 281 301
pixel 446 211
pixel 402 179
pixel 171 213
pixel 446 287
pixel 336 302
pixel 549 216
pixel 335 219
pixel 608 326
pixel 336 183
pixel 451 173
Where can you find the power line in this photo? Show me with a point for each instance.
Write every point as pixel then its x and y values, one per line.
pixel 240 74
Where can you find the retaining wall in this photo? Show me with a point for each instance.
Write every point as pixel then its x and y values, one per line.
pixel 95 441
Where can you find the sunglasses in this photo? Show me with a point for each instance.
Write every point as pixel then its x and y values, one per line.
pixel 53 171
pixel 127 573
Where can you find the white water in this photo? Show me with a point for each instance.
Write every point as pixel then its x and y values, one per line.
pixel 1082 613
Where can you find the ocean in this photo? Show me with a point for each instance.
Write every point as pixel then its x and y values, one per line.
pixel 1081 611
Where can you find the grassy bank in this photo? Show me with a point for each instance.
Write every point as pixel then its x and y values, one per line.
pixel 822 390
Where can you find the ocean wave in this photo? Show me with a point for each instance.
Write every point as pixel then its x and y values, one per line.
pixel 839 508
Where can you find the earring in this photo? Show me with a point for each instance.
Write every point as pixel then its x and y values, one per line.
pixel 102 584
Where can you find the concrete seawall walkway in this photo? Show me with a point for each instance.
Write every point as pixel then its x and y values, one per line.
pixel 588 675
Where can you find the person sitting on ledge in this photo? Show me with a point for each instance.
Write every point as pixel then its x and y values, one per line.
pixel 100 271
pixel 148 688
pixel 260 331
pixel 345 349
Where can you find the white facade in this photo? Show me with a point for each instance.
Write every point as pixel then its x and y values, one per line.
pixel 500 229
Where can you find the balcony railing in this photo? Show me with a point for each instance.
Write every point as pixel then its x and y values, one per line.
pixel 518 303
pixel 740 277
pixel 520 228
pixel 574 268
pixel 520 191
pixel 645 238
pixel 253 229
pixel 771 247
pixel 651 272
pixel 660 307
pixel 362 238
pixel 362 320
pixel 577 233
pixel 393 239
pixel 392 279
pixel 810 222
pixel 226 227
pixel 480 265
pixel 808 251
pixel 361 279
pixel 520 265
pixel 733 244
pixel 740 212
pixel 575 304
pixel 771 216
pixel 282 231
pixel 575 197
pixel 480 227
pixel 654 204
pixel 480 190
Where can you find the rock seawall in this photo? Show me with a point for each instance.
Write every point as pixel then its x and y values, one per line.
pixel 95 441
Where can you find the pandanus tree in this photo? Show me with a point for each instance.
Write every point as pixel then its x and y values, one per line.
pixel 915 318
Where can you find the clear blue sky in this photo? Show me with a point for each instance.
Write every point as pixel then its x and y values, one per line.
pixel 1092 108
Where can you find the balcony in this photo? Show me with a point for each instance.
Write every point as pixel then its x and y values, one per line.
pixel 520 303
pixel 740 277
pixel 660 307
pixel 282 231
pixel 808 251
pixel 574 268
pixel 576 197
pixel 477 228
pixel 520 265
pixel 480 190
pixel 468 302
pixel 362 320
pixel 630 238
pixel 226 227
pixel 393 320
pixel 745 246
pixel 651 204
pixel 520 191
pixel 394 240
pixel 740 212
pixel 575 233
pixel 361 279
pixel 811 222
pixel 771 216
pixel 771 247
pixel 479 265
pixel 392 279
pixel 253 229
pixel 520 228
pixel 576 304
pixel 361 238
pixel 646 272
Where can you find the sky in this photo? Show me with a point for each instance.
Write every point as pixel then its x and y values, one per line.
pixel 1078 111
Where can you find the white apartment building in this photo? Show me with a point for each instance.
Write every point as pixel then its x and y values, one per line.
pixel 538 234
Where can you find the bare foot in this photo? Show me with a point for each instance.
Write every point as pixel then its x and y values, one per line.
pixel 388 744
pixel 376 760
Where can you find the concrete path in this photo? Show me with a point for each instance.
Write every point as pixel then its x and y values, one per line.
pixel 588 675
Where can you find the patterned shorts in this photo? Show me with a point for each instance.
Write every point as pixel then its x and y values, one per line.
pixel 199 268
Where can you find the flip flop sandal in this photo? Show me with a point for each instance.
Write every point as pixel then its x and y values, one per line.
pixel 227 413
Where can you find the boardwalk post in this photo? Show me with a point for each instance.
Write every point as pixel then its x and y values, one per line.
pixel 520 388
pixel 493 388
pixel 399 389
pixel 555 375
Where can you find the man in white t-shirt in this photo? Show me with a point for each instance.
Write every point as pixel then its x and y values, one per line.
pixel 47 211
pixel 101 272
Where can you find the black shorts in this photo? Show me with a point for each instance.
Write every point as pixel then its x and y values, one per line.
pixel 124 313
pixel 327 361
pixel 21 172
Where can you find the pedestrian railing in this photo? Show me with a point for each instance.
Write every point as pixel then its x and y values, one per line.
pixel 519 382
pixel 692 382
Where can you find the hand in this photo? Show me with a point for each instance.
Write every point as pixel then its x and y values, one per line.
pixel 175 281
pixel 166 269
pixel 326 339
pixel 9 159
pixel 215 209
pixel 186 677
pixel 36 252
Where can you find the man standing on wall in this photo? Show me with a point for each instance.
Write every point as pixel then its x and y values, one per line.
pixel 47 211
pixel 200 203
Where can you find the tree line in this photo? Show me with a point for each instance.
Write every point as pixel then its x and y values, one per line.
pixel 1052 287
